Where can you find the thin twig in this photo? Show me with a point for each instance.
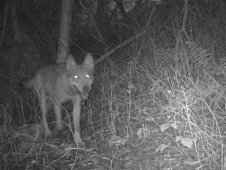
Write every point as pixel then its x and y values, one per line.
pixel 119 46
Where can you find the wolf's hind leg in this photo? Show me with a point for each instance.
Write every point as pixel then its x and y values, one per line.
pixel 57 110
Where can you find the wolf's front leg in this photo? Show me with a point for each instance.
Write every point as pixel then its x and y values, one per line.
pixel 43 106
pixel 76 120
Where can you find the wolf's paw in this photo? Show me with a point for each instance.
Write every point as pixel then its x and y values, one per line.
pixel 78 141
pixel 80 144
pixel 48 133
pixel 59 126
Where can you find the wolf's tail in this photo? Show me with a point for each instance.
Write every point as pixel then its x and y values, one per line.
pixel 27 83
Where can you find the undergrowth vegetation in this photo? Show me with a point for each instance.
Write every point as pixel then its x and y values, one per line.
pixel 175 105
pixel 157 101
pixel 177 96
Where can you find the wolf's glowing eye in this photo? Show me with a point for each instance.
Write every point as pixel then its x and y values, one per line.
pixel 87 76
pixel 76 77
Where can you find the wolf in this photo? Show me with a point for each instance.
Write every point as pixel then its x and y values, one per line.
pixel 59 83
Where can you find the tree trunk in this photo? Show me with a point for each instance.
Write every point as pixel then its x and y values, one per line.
pixel 3 12
pixel 63 45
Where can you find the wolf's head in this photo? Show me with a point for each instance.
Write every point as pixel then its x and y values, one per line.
pixel 81 76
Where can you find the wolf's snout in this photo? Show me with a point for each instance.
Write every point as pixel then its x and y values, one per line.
pixel 85 89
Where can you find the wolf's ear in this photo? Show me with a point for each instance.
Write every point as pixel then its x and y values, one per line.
pixel 70 63
pixel 89 62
